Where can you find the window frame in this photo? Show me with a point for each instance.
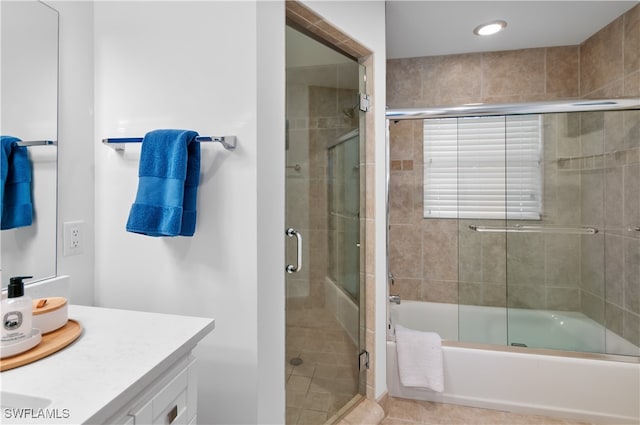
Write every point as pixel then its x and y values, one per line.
pixel 496 152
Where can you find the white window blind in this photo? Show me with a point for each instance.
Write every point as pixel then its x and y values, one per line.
pixel 483 167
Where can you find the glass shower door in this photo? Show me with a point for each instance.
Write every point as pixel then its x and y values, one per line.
pixel 480 183
pixel 572 278
pixel 556 266
pixel 547 208
pixel 344 213
pixel 323 201
pixel 555 255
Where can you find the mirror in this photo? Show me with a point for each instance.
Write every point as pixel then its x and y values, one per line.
pixel 29 111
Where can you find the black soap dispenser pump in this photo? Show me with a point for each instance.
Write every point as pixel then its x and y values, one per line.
pixel 16 286
pixel 16 312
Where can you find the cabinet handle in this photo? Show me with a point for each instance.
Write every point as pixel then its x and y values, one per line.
pixel 172 415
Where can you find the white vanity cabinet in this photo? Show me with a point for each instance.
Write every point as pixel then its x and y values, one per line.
pixel 127 367
pixel 171 400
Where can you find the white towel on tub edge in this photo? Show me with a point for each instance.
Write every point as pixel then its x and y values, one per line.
pixel 419 359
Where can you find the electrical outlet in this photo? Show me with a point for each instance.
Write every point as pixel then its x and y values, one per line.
pixel 73 238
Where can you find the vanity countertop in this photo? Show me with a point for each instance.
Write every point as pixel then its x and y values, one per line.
pixel 119 353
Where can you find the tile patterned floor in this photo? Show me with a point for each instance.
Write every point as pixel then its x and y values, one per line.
pixel 327 378
pixel 412 412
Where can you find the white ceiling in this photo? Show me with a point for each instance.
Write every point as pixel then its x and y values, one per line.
pixel 428 28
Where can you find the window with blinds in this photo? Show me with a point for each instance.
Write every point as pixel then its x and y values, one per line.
pixel 483 167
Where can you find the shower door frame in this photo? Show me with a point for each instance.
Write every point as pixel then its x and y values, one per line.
pixel 299 15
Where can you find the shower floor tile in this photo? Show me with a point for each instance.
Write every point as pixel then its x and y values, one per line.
pixel 321 366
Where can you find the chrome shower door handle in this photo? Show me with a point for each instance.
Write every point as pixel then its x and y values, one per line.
pixel 291 232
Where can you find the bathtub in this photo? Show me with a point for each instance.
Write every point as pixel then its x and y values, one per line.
pixel 547 382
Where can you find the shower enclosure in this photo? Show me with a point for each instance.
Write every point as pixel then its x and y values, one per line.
pixel 324 147
pixel 343 169
pixel 539 211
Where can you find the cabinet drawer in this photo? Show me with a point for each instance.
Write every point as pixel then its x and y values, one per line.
pixel 167 397
pixel 168 403
pixel 175 413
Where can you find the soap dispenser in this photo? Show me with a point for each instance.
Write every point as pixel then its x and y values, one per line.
pixel 16 312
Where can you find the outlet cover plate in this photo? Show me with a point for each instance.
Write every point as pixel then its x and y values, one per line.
pixel 73 238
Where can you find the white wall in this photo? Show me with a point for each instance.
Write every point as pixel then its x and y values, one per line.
pixel 364 21
pixel 217 68
pixel 76 142
pixel 271 211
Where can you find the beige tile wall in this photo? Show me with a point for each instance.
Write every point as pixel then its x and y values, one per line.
pixel 610 164
pixel 430 257
pixel 492 77
pixel 610 182
pixel 424 254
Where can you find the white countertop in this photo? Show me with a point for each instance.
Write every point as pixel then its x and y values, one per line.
pixel 119 353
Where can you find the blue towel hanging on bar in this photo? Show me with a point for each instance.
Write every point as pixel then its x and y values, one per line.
pixel 169 175
pixel 15 189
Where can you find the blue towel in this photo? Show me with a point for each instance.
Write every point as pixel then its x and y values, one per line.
pixel 169 174
pixel 15 189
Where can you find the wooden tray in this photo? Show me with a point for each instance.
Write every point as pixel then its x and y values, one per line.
pixel 51 343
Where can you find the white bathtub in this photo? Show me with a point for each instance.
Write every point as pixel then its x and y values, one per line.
pixel 583 388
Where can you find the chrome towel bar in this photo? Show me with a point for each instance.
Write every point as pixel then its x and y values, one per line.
pixel 535 229
pixel 37 143
pixel 229 142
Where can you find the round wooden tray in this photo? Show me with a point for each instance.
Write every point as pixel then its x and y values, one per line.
pixel 51 343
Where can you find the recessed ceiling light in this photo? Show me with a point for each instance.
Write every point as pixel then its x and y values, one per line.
pixel 490 28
